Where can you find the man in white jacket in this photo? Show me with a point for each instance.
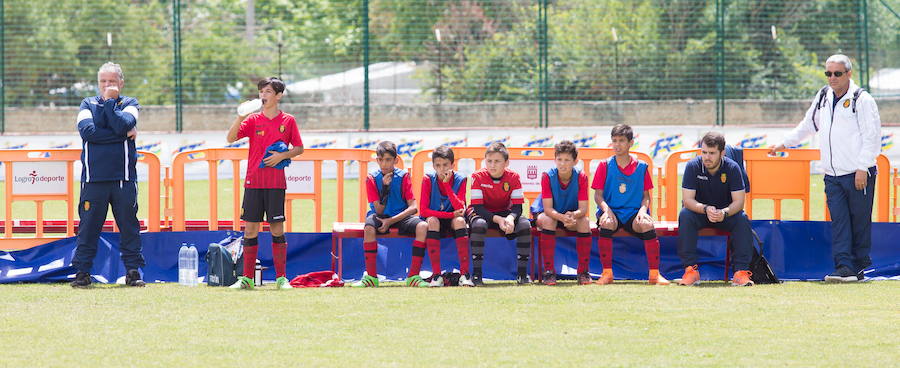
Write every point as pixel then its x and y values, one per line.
pixel 846 120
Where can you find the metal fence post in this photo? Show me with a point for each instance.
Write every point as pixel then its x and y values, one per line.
pixel 862 36
pixel 176 45
pixel 2 70
pixel 543 72
pixel 720 62
pixel 365 24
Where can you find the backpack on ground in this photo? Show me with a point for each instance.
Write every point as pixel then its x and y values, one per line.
pixel 761 272
pixel 222 269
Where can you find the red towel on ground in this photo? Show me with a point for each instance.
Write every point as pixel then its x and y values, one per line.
pixel 317 279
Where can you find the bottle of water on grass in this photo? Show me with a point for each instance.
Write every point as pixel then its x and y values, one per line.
pixel 188 264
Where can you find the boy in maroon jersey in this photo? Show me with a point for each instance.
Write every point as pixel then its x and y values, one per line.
pixel 391 205
pixel 497 199
pixel 264 187
pixel 442 205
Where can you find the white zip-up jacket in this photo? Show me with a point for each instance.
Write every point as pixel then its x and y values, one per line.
pixel 847 141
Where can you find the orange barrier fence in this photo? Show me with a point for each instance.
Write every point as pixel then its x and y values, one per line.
pixel 779 177
pixel 896 180
pixel 534 160
pixel 48 175
pixel 307 186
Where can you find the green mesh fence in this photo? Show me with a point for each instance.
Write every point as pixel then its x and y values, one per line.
pixel 539 55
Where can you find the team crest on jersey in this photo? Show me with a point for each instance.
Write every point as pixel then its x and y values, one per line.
pixel 260 133
pixel 281 129
pixel 846 103
pixel 724 178
pixel 87 205
pixel 623 188
pixel 506 186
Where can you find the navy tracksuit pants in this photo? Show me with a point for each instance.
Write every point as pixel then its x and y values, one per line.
pixel 95 201
pixel 851 220
pixel 689 225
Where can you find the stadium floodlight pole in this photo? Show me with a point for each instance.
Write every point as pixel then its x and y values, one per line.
pixel 108 46
pixel 437 35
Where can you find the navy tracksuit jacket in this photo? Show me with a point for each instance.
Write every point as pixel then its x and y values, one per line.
pixel 108 177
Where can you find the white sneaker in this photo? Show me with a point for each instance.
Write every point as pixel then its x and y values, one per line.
pixel 436 282
pixel 465 281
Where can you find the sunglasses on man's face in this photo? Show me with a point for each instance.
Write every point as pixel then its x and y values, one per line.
pixel 836 74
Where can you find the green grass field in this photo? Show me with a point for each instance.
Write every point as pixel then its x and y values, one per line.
pixel 624 324
pixel 197 197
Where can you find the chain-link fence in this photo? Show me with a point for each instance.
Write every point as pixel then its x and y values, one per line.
pixel 411 63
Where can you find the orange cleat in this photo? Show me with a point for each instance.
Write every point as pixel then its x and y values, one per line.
pixel 742 278
pixel 656 279
pixel 605 278
pixel 691 276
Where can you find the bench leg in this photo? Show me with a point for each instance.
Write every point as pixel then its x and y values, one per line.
pixel 727 258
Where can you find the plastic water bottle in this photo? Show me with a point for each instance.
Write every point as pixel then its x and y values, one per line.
pixel 193 264
pixel 187 265
pixel 183 264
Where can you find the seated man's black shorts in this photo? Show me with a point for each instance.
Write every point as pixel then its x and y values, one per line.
pixel 405 227
pixel 259 202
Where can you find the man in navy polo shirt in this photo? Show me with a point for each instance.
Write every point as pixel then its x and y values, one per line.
pixel 713 196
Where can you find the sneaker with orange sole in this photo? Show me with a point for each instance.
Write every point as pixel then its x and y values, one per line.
pixel 605 278
pixel 656 279
pixel 742 278
pixel 691 276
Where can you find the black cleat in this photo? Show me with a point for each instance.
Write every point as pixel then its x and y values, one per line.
pixel 477 280
pixel 522 279
pixel 584 278
pixel 842 274
pixel 549 278
pixel 82 280
pixel 133 278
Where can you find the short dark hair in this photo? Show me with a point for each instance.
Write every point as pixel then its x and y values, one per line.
pixel 714 139
pixel 497 147
pixel 276 84
pixel 444 152
pixel 565 147
pixel 622 130
pixel 386 148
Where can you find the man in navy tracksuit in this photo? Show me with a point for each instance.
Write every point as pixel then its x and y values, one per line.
pixel 109 175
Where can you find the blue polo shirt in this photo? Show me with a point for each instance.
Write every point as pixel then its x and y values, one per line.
pixel 714 190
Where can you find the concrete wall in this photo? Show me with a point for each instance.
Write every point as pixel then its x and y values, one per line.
pixel 453 115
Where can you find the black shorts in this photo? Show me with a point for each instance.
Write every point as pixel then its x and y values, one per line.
pixel 259 201
pixel 405 227
pixel 471 216
pixel 628 226
pixel 445 227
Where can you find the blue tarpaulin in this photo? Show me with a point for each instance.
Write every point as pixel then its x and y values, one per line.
pixel 795 250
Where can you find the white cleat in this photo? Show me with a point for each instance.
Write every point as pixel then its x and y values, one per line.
pixel 464 280
pixel 436 282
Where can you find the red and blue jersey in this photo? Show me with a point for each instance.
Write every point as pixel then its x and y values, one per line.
pixel 623 188
pixel 565 195
pixel 440 199
pixel 397 195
